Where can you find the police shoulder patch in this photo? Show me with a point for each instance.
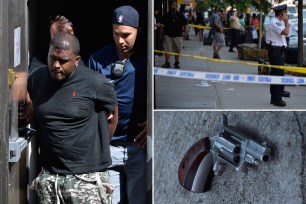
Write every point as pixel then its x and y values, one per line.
pixel 278 23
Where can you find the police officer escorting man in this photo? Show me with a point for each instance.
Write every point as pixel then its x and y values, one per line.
pixel 276 41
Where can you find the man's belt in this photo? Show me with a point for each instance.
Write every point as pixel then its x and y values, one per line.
pixel 278 48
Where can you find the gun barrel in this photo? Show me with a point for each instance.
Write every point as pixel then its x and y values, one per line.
pixel 258 151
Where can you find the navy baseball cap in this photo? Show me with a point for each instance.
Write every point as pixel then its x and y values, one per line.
pixel 126 15
pixel 282 7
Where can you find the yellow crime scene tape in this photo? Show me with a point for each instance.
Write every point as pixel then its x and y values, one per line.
pixel 287 68
pixel 207 27
pixel 199 26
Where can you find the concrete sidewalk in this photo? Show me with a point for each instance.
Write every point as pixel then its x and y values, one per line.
pixel 178 93
pixel 281 180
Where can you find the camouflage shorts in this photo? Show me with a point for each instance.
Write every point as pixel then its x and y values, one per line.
pixel 89 188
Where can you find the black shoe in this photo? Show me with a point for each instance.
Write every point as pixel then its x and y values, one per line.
pixel 176 65
pixel 231 50
pixel 278 103
pixel 166 65
pixel 216 56
pixel 286 94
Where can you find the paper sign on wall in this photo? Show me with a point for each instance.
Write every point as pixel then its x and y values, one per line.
pixel 17 50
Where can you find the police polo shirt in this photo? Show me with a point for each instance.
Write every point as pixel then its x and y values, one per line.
pixel 274 35
pixel 131 89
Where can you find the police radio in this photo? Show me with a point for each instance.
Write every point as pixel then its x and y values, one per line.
pixel 118 68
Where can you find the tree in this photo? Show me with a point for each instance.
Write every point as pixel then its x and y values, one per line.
pixel 261 5
pixel 240 5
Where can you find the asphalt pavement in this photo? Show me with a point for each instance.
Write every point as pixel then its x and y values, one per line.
pixel 280 180
pixel 180 93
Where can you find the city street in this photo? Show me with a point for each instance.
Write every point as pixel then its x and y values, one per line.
pixel 181 93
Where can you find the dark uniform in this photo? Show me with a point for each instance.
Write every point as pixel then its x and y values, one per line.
pixel 276 47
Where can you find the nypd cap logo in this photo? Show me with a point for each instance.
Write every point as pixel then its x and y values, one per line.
pixel 120 19
pixel 126 15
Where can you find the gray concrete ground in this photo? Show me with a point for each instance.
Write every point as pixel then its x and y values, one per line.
pixel 281 180
pixel 178 93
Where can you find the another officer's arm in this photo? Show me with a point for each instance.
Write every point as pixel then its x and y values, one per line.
pixel 112 122
pixel 141 138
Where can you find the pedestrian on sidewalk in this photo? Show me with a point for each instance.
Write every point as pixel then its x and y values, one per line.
pixel 276 41
pixel 235 30
pixel 194 21
pixel 255 27
pixel 217 33
pixel 200 22
pixel 174 30
pixel 157 36
pixel 242 29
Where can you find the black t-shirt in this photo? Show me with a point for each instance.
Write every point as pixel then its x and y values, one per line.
pixel 174 24
pixel 72 124
pixel 200 18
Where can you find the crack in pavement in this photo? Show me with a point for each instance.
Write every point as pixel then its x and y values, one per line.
pixel 302 154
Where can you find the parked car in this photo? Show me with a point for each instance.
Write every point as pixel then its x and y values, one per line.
pixel 268 17
pixel 291 54
pixel 304 54
pixel 292 9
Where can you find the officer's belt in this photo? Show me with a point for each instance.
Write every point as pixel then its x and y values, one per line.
pixel 277 48
pixel 121 132
pixel 121 143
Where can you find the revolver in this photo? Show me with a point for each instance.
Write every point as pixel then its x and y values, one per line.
pixel 210 156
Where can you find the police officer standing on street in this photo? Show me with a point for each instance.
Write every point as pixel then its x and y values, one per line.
pixel 276 41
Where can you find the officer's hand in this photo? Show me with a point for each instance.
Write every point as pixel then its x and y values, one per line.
pixel 25 112
pixel 285 17
pixel 141 138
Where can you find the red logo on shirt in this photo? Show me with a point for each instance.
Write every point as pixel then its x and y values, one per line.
pixel 73 93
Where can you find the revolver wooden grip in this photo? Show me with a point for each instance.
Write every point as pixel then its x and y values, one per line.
pixel 195 171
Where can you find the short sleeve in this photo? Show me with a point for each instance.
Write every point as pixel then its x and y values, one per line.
pixel 277 27
pixel 106 96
